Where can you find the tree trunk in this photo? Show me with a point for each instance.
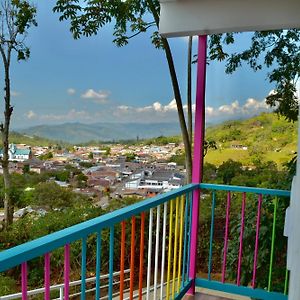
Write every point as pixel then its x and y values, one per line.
pixel 182 122
pixel 8 203
pixel 178 99
pixel 189 90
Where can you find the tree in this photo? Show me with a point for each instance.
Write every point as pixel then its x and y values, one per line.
pixel 278 50
pixel 228 170
pixel 91 155
pixel 46 156
pixel 131 19
pixel 16 17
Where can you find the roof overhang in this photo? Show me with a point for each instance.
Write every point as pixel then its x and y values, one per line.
pixel 199 17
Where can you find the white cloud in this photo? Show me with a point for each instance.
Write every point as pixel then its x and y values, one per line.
pixel 15 93
pixel 30 115
pixel 71 115
pixel 168 112
pixel 97 97
pixel 155 112
pixel 71 91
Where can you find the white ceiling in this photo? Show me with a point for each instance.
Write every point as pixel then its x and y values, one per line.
pixel 195 17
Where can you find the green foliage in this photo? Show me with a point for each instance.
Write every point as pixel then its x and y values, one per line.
pixel 228 170
pixel 62 175
pixel 130 18
pixel 264 175
pixel 278 50
pixel 91 155
pixel 17 17
pixel 178 158
pixel 7 285
pixel 18 138
pixel 279 266
pixel 81 180
pixel 266 137
pixel 209 172
pixel 46 156
pixel 86 164
pixel 51 196
pixel 29 228
pixel 162 140
pixel 130 157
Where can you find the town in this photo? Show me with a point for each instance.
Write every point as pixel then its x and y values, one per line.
pixel 106 172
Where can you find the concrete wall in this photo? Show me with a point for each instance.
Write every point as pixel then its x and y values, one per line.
pixel 183 18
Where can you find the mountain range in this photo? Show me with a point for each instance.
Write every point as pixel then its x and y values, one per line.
pixel 81 133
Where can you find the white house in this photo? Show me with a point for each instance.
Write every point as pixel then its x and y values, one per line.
pixel 16 154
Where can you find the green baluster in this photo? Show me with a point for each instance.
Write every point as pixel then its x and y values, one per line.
pixel 272 244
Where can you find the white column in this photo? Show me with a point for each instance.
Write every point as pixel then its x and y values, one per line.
pixel 293 228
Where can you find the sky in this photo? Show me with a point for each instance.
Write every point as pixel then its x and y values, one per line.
pixel 91 80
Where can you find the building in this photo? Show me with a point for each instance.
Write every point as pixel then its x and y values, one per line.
pixel 17 154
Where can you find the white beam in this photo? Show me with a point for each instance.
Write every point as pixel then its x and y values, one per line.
pixel 200 17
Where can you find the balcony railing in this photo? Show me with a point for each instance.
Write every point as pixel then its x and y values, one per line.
pixel 158 255
pixel 257 198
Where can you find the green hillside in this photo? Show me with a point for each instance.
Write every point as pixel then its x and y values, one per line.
pixel 266 137
pixel 18 138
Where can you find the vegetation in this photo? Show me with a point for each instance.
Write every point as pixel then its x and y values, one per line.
pixel 18 138
pixel 266 137
pixel 278 50
pixel 16 17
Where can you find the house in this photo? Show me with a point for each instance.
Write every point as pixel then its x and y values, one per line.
pixel 17 154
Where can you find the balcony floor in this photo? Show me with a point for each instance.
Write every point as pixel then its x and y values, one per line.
pixel 201 296
pixel 204 294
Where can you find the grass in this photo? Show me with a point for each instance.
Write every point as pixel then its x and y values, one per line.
pixel 217 157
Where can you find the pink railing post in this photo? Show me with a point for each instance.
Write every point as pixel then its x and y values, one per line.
pixel 47 276
pixel 198 154
pixel 260 199
pixel 226 237
pixel 67 272
pixel 238 281
pixel 24 280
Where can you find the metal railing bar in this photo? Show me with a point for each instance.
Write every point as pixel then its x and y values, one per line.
pixel 25 252
pixel 59 286
pixel 242 189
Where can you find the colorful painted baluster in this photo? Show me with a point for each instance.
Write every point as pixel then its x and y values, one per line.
pixel 83 268
pixel 24 280
pixel 122 267
pixel 67 272
pixel 180 243
pixel 111 262
pixel 286 282
pixel 170 249
pixel 226 237
pixel 272 244
pixel 98 265
pixel 184 261
pixel 164 236
pixel 149 254
pixel 190 233
pixel 212 223
pixel 238 281
pixel 256 241
pixel 156 252
pixel 142 245
pixel 132 251
pixel 47 276
pixel 175 248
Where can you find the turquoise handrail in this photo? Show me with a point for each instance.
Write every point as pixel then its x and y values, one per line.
pixel 244 189
pixel 25 252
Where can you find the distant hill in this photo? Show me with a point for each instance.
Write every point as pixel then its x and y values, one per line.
pixel 32 140
pixel 266 137
pixel 82 133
